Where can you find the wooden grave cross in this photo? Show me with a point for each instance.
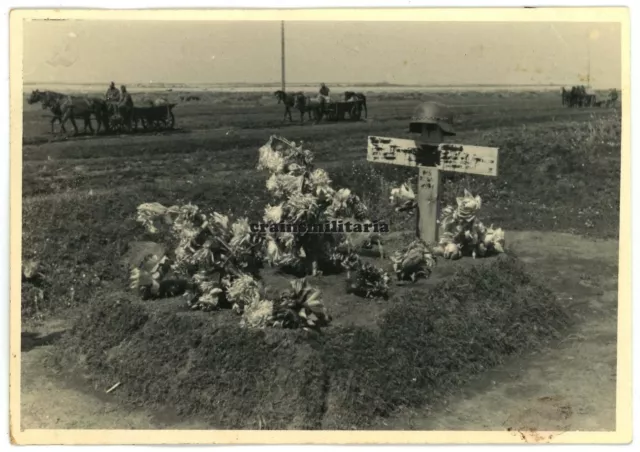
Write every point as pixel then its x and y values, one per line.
pixel 431 156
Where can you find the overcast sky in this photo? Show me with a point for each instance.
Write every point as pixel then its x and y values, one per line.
pixel 395 52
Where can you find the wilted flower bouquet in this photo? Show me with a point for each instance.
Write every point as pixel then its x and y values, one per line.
pixel 460 231
pixel 219 260
pixel 212 253
pixel 369 281
pixel 303 195
pixel 413 262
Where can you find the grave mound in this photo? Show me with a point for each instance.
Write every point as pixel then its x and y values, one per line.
pixel 409 351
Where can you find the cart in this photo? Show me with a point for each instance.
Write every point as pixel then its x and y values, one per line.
pixel 338 111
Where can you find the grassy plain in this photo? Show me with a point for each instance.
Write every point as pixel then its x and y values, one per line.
pixel 557 195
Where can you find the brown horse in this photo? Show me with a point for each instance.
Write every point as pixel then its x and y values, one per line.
pixel 351 96
pixel 49 101
pixel 566 97
pixel 305 104
pixel 65 107
pixel 83 107
pixel 289 101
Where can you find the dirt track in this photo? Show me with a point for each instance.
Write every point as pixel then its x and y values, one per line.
pixel 569 386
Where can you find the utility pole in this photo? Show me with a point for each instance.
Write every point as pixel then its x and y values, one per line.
pixel 589 61
pixel 282 51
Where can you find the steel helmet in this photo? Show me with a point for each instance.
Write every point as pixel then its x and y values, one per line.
pixel 432 113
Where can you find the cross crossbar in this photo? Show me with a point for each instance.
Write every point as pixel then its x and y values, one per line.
pixel 459 158
pixel 431 159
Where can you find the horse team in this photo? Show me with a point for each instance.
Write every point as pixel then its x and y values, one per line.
pixel 66 107
pixel 579 96
pixel 317 108
pixel 69 108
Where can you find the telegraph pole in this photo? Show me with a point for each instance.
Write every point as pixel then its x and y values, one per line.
pixel 589 61
pixel 589 68
pixel 282 52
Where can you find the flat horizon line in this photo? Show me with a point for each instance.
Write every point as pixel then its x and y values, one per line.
pixel 277 84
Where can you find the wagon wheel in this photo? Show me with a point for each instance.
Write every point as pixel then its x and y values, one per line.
pixel 355 112
pixel 172 119
pixel 116 123
pixel 332 114
pixel 115 119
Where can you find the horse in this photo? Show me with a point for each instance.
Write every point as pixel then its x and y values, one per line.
pixel 48 100
pixel 572 97
pixel 566 97
pixel 289 101
pixel 583 98
pixel 65 107
pixel 590 100
pixel 577 96
pixel 62 106
pixel 357 97
pixel 305 104
pixel 84 107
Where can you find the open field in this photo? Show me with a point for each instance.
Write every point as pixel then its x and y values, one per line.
pixel 557 196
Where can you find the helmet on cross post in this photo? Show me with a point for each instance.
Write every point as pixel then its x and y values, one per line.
pixel 432 113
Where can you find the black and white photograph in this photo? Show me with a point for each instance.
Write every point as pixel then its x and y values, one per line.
pixel 282 223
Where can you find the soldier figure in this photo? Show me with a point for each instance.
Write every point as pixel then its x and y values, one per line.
pixel 112 97
pixel 324 93
pixel 125 107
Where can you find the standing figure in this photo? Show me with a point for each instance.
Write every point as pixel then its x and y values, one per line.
pixel 323 98
pixel 323 95
pixel 113 98
pixel 125 107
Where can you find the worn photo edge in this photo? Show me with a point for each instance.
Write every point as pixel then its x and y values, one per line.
pixel 623 431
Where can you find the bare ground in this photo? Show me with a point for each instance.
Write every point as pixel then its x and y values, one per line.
pixel 568 386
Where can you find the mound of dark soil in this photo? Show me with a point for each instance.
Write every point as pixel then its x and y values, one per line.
pixel 429 340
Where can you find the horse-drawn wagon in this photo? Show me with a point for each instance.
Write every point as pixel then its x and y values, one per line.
pixel 112 116
pixel 152 117
pixel 350 108
pixel 581 96
pixel 340 111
